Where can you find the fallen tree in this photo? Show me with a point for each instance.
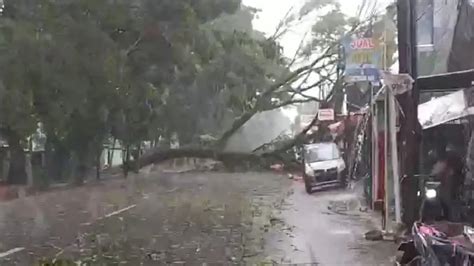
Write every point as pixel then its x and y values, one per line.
pixel 324 66
pixel 279 154
pixel 157 156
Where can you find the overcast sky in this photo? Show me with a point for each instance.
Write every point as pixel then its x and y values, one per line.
pixel 274 10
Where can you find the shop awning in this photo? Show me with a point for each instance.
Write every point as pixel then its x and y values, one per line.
pixel 452 80
pixel 443 109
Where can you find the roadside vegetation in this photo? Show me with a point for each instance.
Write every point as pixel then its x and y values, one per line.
pixel 91 73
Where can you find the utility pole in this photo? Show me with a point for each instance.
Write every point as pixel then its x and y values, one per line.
pixel 409 132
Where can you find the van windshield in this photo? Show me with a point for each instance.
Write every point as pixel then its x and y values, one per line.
pixel 322 152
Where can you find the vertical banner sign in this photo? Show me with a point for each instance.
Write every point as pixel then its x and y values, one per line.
pixel 363 59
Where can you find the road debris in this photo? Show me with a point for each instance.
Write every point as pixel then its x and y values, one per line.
pixel 11 251
pixel 374 235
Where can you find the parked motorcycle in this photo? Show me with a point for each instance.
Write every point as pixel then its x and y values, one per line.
pixel 431 208
pixel 434 240
pixel 431 205
pixel 438 245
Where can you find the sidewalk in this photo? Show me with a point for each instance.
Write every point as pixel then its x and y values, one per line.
pixel 326 228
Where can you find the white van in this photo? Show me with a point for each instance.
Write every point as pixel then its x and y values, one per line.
pixel 323 166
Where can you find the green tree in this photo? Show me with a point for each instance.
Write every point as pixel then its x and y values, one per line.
pixel 144 69
pixel 17 117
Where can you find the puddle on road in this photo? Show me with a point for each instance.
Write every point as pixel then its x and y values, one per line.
pixel 341 232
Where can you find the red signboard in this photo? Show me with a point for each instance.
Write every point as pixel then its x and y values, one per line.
pixel 326 115
pixel 363 44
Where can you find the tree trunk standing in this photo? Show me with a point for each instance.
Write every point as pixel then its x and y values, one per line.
pixel 49 164
pixel 56 157
pixel 98 164
pixel 410 129
pixel 80 177
pixel 136 157
pixel 126 161
pixel 82 166
pixel 110 153
pixel 29 170
pixel 109 156
pixel 17 172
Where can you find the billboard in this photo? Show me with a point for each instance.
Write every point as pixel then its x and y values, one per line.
pixel 326 114
pixel 363 59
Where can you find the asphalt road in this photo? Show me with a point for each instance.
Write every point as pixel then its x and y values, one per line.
pixel 150 219
pixel 192 219
pixel 327 228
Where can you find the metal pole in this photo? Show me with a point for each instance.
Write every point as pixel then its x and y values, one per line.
pixel 394 154
pixel 375 151
pixel 406 20
pixel 385 155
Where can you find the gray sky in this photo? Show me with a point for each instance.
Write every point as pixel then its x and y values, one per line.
pixel 274 10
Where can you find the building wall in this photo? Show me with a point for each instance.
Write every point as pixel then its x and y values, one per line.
pixel 462 57
pixel 436 24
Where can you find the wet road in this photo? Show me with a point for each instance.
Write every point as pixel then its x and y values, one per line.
pixel 192 219
pixel 151 219
pixel 327 228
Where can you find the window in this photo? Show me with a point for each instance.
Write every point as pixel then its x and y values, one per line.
pixel 322 152
pixel 425 22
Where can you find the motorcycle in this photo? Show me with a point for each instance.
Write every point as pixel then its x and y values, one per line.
pixel 431 208
pixel 438 245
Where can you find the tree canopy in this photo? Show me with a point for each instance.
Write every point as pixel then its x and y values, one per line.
pixel 143 70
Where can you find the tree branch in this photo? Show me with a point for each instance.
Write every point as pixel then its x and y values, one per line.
pixel 280 25
pixel 300 46
pixel 288 80
pixel 134 46
pixel 239 122
pixel 291 102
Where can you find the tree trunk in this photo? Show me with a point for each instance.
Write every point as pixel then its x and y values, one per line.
pixel 56 158
pixel 126 161
pixel 159 155
pixel 136 157
pixel 110 153
pixel 98 164
pixel 17 172
pixel 109 156
pixel 82 166
pixel 29 170
pixel 80 174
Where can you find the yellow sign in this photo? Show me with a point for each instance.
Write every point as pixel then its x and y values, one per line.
pixel 363 51
pixel 362 57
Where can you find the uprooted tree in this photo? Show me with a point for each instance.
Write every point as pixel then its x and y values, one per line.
pixel 144 70
pixel 315 66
